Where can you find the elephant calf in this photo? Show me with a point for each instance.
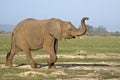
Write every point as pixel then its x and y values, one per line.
pixel 33 34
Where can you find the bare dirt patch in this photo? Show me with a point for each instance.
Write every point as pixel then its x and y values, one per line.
pixel 71 65
pixel 81 55
pixel 113 68
pixel 31 73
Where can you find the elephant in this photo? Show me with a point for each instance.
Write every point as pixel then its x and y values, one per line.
pixel 31 34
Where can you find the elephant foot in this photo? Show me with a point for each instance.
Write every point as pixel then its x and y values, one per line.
pixel 52 66
pixel 35 65
pixel 8 64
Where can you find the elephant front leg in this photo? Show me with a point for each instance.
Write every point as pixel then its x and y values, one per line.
pixel 51 61
pixel 53 56
pixel 50 46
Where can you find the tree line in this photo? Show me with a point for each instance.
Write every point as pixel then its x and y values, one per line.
pixel 91 31
pixel 100 31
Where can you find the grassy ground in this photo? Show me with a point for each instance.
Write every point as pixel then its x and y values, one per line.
pixel 89 58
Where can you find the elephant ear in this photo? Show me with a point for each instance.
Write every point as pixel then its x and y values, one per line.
pixel 54 28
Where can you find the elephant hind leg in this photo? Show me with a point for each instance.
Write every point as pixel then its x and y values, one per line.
pixel 11 54
pixel 25 47
pixel 8 59
pixel 30 59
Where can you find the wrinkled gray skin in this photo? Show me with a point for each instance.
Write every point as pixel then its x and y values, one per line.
pixel 33 34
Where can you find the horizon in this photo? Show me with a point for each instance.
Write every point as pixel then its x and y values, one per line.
pixel 10 27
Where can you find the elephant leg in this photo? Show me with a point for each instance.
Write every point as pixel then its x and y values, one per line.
pixel 11 54
pixel 55 46
pixel 30 59
pixel 9 58
pixel 53 56
pixel 49 47
pixel 51 61
pixel 26 48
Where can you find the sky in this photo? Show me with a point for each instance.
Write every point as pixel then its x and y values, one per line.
pixel 101 12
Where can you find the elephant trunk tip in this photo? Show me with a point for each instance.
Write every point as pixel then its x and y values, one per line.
pixel 85 18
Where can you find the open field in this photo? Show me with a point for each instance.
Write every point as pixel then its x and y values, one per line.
pixel 88 58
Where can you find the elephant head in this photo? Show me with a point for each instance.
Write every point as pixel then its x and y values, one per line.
pixel 62 29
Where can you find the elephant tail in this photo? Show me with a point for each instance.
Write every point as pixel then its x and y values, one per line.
pixel 12 41
pixel 10 47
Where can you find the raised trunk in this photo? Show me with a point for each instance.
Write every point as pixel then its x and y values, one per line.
pixel 83 30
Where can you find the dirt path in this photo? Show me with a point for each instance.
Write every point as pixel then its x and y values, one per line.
pixel 96 68
pixel 62 66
